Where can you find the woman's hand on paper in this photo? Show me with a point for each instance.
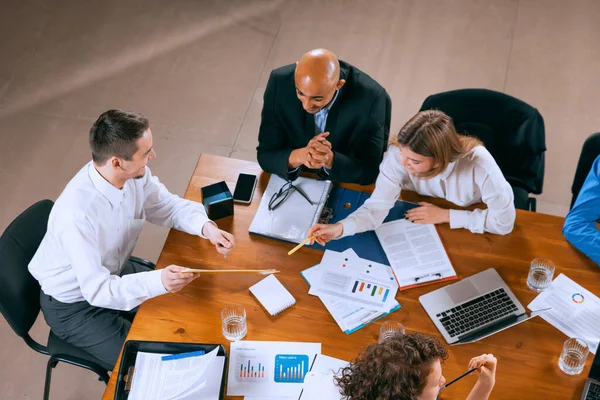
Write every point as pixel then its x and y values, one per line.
pixel 323 233
pixel 174 280
pixel 428 214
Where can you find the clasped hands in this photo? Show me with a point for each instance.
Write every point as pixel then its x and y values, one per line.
pixel 315 155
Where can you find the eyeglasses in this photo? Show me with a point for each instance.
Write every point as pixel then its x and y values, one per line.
pixel 282 195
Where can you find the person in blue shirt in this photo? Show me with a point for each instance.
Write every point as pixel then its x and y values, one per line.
pixel 580 227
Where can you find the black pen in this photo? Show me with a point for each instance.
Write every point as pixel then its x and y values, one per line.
pixel 436 274
pixel 455 379
pixel 310 369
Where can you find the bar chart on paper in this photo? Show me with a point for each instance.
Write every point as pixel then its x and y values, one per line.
pixel 250 369
pixel 290 368
pixel 370 290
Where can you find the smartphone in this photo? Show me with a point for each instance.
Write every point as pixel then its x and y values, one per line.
pixel 244 188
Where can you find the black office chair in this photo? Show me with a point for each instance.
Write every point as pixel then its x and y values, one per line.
pixel 589 152
pixel 511 130
pixel 20 292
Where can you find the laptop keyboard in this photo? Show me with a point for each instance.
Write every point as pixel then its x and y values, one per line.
pixel 593 392
pixel 477 312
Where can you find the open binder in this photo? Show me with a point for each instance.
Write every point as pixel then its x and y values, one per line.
pixel 343 202
pixel 132 347
pixel 295 216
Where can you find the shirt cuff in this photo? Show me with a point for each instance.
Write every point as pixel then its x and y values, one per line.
pixel 349 228
pixel 154 283
pixel 292 171
pixel 326 171
pixel 459 219
pixel 197 224
pixel 202 228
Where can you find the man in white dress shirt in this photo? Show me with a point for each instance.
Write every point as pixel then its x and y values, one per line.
pixel 89 286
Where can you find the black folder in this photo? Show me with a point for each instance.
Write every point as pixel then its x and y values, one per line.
pixel 133 346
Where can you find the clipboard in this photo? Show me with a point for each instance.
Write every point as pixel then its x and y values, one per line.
pixel 127 368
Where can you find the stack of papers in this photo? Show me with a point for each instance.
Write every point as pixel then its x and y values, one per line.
pixel 415 252
pixel 269 369
pixel 158 376
pixel 319 382
pixel 355 291
pixel 575 310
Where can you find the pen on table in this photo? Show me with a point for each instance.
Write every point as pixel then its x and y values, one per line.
pixel 183 355
pixel 455 379
pixel 222 245
pixel 435 274
pixel 302 243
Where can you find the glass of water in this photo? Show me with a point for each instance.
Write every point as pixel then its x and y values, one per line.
pixel 573 356
pixel 389 329
pixel 233 322
pixel 540 275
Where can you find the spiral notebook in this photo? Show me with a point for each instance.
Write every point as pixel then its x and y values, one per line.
pixel 271 294
pixel 291 220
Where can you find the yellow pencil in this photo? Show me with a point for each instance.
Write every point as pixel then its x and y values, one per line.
pixel 230 271
pixel 302 243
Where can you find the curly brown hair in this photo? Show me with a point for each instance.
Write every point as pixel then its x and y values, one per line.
pixel 396 369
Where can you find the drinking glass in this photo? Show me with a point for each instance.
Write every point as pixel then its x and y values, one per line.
pixel 573 356
pixel 540 275
pixel 389 329
pixel 233 322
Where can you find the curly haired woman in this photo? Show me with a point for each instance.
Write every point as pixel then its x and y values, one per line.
pixel 408 367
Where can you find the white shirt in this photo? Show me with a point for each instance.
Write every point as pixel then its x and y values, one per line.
pixel 471 179
pixel 92 230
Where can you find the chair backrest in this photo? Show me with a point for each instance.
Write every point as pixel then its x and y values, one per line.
pixel 511 130
pixel 19 290
pixel 388 121
pixel 589 152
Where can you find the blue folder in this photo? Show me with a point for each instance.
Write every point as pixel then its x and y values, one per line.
pixel 344 202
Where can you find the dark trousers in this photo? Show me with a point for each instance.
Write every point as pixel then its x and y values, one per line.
pixel 99 331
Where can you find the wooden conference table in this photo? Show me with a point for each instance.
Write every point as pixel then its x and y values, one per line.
pixel 527 353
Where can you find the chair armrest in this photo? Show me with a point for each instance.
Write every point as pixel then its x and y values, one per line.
pixel 143 262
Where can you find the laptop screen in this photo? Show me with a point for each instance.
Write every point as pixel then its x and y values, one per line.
pixel 595 370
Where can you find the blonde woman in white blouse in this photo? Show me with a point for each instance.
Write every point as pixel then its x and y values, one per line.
pixel 430 158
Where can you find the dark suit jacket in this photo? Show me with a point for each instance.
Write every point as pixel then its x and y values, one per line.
pixel 358 124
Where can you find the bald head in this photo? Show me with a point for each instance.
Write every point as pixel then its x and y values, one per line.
pixel 317 78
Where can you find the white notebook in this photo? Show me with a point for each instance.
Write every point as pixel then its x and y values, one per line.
pixel 295 216
pixel 272 295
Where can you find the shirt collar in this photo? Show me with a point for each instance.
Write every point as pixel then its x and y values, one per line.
pixel 328 107
pixel 112 194
pixel 446 173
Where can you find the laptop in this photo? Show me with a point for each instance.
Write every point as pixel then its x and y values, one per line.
pixel 591 391
pixel 474 308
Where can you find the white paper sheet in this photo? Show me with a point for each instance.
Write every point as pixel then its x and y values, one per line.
pixel 575 310
pixel 364 283
pixel 169 380
pixel 269 369
pixel 415 252
pixel 319 382
pixel 347 315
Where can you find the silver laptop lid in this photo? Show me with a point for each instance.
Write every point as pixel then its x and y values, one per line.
pixel 467 289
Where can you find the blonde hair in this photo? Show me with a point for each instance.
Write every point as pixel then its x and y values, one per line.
pixel 431 133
